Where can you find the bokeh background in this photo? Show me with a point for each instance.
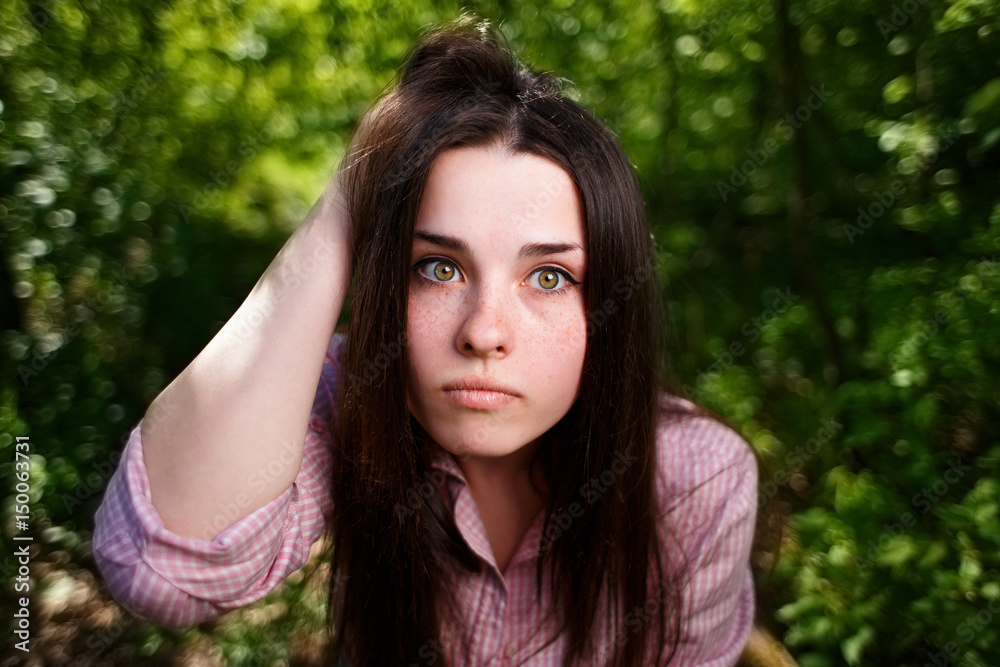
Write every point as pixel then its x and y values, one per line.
pixel 822 177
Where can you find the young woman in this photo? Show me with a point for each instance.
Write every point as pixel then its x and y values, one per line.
pixel 503 476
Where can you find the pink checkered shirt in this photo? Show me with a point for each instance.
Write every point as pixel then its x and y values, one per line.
pixel 178 581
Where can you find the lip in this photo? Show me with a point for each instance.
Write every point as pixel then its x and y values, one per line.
pixel 477 399
pixel 480 393
pixel 479 383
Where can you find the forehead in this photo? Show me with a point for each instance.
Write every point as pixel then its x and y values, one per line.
pixel 488 192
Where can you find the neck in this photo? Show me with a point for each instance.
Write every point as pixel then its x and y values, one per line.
pixel 501 477
pixel 511 476
pixel 507 500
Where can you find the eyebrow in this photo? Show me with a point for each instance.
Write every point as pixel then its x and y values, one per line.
pixel 528 250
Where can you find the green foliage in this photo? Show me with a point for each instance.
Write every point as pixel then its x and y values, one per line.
pixel 822 180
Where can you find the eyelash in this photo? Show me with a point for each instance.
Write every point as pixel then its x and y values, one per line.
pixel 570 282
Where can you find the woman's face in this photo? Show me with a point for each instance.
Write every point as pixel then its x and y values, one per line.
pixel 496 325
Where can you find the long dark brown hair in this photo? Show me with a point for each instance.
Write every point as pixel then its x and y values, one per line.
pixel 390 578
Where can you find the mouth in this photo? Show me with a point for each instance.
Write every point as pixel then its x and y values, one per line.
pixel 477 383
pixel 477 399
pixel 480 393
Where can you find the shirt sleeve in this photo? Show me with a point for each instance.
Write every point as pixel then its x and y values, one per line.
pixel 713 479
pixel 178 581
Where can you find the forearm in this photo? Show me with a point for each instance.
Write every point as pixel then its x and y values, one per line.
pixel 226 436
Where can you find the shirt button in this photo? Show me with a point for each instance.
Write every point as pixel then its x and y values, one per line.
pixel 508 651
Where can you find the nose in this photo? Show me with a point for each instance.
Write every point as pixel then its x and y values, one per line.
pixel 486 329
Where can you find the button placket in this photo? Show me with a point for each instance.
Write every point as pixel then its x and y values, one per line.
pixel 492 607
pixel 500 624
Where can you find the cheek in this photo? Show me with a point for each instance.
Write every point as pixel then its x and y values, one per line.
pixel 432 308
pixel 429 320
pixel 573 332
pixel 559 342
pixel 578 343
pixel 564 371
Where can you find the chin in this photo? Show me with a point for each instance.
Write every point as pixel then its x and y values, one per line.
pixel 486 435
pixel 478 443
pixel 464 451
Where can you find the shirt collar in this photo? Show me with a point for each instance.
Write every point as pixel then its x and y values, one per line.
pixel 444 461
pixel 471 527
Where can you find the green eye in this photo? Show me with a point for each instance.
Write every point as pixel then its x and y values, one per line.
pixel 551 280
pixel 548 279
pixel 437 270
pixel 443 271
